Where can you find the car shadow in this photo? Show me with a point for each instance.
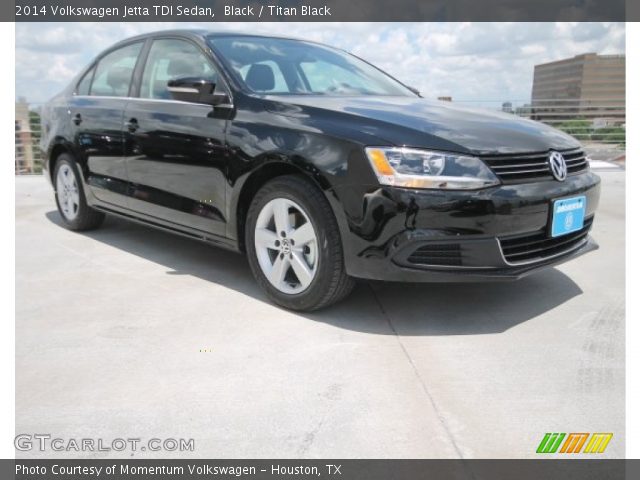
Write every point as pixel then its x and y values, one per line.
pixel 384 308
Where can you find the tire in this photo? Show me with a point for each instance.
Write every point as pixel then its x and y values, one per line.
pixel 303 203
pixel 70 198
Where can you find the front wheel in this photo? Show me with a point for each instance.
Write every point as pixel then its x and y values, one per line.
pixel 293 244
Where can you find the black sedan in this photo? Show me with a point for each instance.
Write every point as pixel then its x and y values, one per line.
pixel 316 164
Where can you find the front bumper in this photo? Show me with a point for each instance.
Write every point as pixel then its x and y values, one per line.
pixel 499 233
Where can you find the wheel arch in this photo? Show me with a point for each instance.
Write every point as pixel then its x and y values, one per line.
pixel 57 148
pixel 252 182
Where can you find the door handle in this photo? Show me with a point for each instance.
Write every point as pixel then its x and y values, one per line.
pixel 77 119
pixel 132 125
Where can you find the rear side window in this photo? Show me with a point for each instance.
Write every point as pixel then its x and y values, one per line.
pixel 114 72
pixel 85 83
pixel 168 59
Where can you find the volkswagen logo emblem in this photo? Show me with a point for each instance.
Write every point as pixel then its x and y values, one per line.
pixel 558 166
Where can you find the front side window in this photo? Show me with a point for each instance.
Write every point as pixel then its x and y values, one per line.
pixel 169 59
pixel 283 66
pixel 114 72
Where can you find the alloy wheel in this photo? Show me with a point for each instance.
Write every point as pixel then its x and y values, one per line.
pixel 286 246
pixel 68 194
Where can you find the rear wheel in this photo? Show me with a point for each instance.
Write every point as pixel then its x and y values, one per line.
pixel 293 245
pixel 70 198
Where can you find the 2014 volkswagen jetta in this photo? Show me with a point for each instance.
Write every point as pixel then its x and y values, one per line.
pixel 316 164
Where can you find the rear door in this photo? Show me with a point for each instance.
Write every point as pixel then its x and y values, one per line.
pixel 175 151
pixel 97 112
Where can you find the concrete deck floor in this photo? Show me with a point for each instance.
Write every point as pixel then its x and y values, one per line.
pixel 128 332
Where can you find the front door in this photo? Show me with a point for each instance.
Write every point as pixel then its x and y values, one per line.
pixel 175 151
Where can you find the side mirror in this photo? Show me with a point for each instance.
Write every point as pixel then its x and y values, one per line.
pixel 196 90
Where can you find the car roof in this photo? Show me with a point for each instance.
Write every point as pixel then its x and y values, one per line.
pixel 201 33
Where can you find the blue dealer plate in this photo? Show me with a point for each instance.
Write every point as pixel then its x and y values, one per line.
pixel 568 215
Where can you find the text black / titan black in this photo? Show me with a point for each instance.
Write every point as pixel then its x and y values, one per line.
pixel 316 164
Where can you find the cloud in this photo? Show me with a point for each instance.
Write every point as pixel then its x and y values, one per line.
pixel 479 62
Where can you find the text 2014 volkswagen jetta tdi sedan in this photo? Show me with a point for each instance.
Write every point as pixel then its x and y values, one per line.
pixel 319 166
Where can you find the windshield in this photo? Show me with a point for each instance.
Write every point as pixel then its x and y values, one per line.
pixel 281 66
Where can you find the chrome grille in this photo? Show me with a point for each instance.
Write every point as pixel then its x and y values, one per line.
pixel 538 246
pixel 533 166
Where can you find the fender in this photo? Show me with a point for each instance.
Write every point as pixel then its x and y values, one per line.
pixel 266 167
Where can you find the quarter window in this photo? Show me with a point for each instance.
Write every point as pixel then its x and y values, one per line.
pixel 169 59
pixel 85 83
pixel 114 72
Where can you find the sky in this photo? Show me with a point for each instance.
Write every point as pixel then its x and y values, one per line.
pixel 483 63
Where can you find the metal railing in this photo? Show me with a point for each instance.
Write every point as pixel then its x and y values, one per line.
pixel 591 121
pixel 595 123
pixel 28 156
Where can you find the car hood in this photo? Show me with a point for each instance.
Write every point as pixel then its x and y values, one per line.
pixel 418 122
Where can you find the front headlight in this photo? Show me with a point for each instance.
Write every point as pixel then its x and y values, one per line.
pixel 413 168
